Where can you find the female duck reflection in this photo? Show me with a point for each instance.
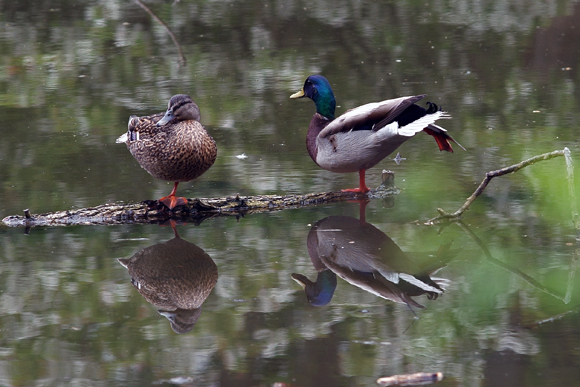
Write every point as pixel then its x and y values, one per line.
pixel 364 256
pixel 175 276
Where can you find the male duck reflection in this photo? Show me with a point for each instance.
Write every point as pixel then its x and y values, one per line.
pixel 171 146
pixel 363 136
pixel 175 276
pixel 365 257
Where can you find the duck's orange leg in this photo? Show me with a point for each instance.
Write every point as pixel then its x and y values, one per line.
pixel 171 201
pixel 362 186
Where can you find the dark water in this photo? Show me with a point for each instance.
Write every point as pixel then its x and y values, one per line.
pixel 73 72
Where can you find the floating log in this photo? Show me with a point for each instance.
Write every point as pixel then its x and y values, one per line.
pixel 417 379
pixel 195 211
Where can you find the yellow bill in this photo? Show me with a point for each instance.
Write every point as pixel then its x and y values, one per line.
pixel 299 94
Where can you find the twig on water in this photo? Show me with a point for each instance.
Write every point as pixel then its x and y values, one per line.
pixel 445 216
pixel 456 216
pixel 140 4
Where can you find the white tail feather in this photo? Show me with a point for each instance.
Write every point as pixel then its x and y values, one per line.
pixel 418 125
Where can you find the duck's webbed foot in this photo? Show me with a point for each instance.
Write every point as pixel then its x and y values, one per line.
pixel 173 201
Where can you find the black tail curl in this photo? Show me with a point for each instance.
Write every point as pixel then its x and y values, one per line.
pixel 433 108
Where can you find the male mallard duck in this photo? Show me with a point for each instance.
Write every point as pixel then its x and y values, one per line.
pixel 363 136
pixel 171 146
pixel 367 258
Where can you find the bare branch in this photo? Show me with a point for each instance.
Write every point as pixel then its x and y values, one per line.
pixel 444 216
pixel 140 4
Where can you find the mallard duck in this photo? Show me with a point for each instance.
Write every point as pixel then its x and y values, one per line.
pixel 367 258
pixel 363 136
pixel 171 146
pixel 176 276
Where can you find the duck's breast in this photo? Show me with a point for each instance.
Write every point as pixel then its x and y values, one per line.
pixel 178 152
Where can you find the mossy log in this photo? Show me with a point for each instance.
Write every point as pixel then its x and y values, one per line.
pixel 196 210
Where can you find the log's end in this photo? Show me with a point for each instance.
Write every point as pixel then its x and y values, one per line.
pixel 387 187
pixel 17 221
pixel 388 179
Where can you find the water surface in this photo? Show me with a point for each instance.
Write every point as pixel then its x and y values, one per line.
pixel 73 72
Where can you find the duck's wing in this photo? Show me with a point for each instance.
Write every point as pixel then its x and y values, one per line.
pixel 372 116
pixel 139 126
pixel 132 133
pixel 133 128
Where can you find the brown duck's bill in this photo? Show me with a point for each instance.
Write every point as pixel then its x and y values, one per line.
pixel 166 118
pixel 299 94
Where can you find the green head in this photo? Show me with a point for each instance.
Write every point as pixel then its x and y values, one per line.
pixel 318 89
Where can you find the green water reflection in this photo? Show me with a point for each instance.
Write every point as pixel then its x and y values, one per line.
pixel 71 74
pixel 70 312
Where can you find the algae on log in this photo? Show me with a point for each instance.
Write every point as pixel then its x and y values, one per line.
pixel 196 210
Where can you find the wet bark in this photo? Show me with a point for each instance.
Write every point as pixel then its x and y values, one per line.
pixel 196 210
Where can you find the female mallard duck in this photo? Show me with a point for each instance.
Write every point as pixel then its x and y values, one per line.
pixel 176 276
pixel 363 136
pixel 171 146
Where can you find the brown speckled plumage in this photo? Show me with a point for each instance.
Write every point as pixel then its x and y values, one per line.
pixel 173 275
pixel 176 276
pixel 179 149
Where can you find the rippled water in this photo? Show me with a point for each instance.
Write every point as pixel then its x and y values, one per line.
pixel 72 314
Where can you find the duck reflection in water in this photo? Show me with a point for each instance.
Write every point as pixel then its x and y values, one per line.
pixel 176 276
pixel 366 257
